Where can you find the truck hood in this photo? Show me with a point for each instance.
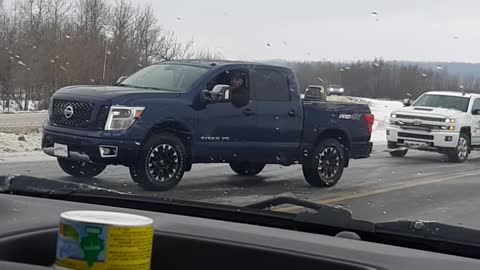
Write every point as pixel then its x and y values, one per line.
pixel 430 111
pixel 113 92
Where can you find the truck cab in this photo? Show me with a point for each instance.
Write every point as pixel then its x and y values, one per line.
pixel 440 121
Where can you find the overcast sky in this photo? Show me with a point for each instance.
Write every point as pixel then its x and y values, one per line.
pixel 424 30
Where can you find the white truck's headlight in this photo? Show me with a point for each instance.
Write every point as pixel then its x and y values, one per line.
pixel 450 120
pixel 393 115
pixel 122 117
pixel 341 90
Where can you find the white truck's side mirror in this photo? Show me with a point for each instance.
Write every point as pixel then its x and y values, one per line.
pixel 407 102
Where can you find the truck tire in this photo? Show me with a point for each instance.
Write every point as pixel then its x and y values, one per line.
pixel 325 166
pixel 161 163
pixel 460 153
pixel 80 169
pixel 399 153
pixel 247 168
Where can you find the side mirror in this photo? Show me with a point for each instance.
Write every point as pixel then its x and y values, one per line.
pixel 121 79
pixel 407 102
pixel 219 89
pixel 476 111
pixel 220 92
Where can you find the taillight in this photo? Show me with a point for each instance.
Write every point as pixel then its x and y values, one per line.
pixel 369 118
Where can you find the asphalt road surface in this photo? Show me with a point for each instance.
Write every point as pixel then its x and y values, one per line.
pixel 381 188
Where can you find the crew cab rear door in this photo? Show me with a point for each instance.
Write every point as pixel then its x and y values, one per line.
pixel 280 114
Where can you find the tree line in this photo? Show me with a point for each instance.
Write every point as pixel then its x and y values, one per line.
pixel 382 79
pixel 47 44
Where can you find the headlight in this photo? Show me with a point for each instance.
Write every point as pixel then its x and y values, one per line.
pixel 341 90
pixel 122 117
pixel 449 120
pixel 393 115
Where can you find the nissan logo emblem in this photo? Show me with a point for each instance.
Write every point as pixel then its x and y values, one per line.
pixel 68 112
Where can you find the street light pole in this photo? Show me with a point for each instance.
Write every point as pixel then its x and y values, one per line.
pixel 105 60
pixel 108 35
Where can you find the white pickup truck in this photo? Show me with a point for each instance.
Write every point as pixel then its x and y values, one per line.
pixel 439 121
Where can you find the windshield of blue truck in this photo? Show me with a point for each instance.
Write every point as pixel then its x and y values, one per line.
pixel 442 101
pixel 174 78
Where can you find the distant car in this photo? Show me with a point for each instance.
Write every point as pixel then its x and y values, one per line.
pixel 315 92
pixel 335 89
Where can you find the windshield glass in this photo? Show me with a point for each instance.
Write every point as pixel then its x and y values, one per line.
pixel 175 78
pixel 442 101
pixel 304 99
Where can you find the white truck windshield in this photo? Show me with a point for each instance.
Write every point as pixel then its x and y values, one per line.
pixel 442 101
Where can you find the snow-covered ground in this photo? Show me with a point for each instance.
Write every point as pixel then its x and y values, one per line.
pixel 16 143
pixel 381 109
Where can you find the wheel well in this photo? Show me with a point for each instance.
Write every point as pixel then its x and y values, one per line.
pixel 466 130
pixel 338 134
pixel 181 131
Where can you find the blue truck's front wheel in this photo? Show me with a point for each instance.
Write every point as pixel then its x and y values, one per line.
pixel 324 167
pixel 161 164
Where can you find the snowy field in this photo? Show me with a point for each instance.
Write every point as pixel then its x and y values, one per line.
pixel 20 133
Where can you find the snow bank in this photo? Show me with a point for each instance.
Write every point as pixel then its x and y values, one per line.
pixel 381 109
pixel 13 143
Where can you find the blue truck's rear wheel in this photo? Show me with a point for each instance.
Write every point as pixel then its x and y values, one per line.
pixel 325 166
pixel 247 168
pixel 161 164
pixel 80 169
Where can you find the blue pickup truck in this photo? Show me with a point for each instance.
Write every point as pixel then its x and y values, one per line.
pixel 168 116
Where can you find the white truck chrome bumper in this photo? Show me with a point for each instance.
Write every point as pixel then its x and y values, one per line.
pixel 418 138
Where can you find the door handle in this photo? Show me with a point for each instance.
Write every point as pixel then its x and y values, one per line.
pixel 292 113
pixel 248 112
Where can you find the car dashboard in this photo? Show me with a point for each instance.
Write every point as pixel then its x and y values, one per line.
pixel 28 232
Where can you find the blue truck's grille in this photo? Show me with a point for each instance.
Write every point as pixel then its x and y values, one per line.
pixel 77 115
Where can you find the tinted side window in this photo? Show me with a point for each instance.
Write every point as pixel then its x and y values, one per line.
pixel 271 85
pixel 476 104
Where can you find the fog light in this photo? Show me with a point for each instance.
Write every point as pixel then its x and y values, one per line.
pixel 448 138
pixel 108 151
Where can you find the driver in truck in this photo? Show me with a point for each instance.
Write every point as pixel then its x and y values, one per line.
pixel 240 94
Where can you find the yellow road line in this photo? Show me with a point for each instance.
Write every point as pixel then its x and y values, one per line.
pixel 410 184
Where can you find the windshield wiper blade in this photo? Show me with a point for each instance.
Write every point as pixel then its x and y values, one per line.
pixel 324 215
pixel 277 201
